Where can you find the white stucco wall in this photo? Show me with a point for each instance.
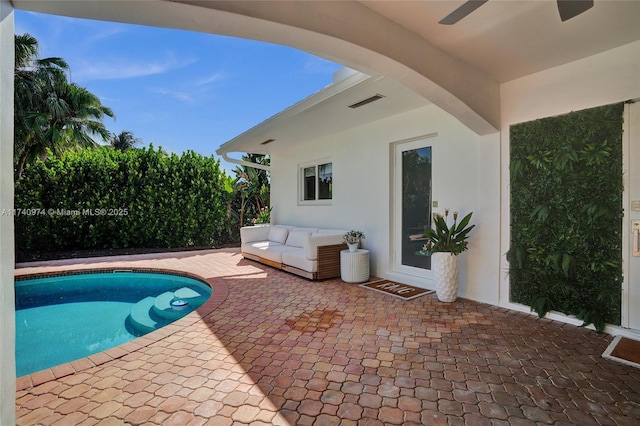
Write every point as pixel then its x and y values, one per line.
pixel 470 172
pixel 7 310
pixel 465 178
pixel 610 77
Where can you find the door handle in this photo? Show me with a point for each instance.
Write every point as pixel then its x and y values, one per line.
pixel 635 225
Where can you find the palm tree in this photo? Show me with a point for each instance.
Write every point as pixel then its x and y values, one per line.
pixel 30 75
pixel 124 141
pixel 50 112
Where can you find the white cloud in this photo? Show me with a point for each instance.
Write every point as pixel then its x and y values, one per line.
pixel 192 88
pixel 210 79
pixel 105 33
pixel 183 96
pixel 124 68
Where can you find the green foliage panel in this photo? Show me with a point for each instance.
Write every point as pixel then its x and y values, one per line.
pixel 566 214
pixel 106 198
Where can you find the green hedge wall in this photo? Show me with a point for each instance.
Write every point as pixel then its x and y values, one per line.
pixel 105 198
pixel 566 214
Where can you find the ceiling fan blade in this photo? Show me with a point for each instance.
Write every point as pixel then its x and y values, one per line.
pixel 571 8
pixel 462 11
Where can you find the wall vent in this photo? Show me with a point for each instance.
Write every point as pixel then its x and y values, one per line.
pixel 267 141
pixel 366 101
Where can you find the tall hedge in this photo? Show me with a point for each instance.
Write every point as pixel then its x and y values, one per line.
pixel 105 198
pixel 566 214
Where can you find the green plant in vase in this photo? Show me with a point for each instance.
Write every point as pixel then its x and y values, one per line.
pixel 352 239
pixel 444 244
pixel 445 238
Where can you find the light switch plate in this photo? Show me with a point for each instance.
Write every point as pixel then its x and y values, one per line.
pixel 635 206
pixel 435 204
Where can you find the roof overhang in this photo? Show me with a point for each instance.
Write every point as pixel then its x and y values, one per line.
pixel 355 101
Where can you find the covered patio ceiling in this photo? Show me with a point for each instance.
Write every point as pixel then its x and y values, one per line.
pixel 508 39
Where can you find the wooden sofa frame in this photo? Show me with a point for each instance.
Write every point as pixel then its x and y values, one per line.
pixel 328 263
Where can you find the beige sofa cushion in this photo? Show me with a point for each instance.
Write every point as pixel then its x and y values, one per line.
pixel 275 253
pixel 297 259
pixel 254 233
pixel 257 248
pixel 311 244
pixel 297 238
pixel 267 250
pixel 278 234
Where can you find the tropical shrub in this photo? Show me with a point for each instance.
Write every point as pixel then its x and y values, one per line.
pixel 251 192
pixel 566 214
pixel 106 198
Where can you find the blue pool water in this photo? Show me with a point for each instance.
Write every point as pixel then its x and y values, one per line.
pixel 61 319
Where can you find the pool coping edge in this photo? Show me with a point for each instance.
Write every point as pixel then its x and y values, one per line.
pixel 219 293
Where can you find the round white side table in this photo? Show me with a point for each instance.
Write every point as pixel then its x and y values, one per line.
pixel 354 266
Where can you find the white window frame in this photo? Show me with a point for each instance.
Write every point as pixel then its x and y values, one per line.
pixel 301 183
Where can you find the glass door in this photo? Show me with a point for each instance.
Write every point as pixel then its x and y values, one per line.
pixel 412 190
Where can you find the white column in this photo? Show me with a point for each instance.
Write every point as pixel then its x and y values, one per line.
pixel 7 262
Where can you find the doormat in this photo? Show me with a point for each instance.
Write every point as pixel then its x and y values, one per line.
pixel 403 291
pixel 624 350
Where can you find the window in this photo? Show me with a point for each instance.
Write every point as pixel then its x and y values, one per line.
pixel 309 183
pixel 325 181
pixel 317 182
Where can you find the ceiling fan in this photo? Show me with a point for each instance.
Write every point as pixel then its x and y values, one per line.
pixel 568 9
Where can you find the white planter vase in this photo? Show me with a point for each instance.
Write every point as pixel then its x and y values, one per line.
pixel 445 271
pixel 353 247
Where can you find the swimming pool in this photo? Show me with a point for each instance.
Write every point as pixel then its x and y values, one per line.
pixel 63 318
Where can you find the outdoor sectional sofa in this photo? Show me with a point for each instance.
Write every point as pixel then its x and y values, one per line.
pixel 309 252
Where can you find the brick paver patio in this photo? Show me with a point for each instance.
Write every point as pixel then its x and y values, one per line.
pixel 283 350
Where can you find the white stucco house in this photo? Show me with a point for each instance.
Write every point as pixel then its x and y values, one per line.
pixel 447 91
pixel 358 129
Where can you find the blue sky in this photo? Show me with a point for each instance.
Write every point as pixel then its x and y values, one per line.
pixel 177 89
